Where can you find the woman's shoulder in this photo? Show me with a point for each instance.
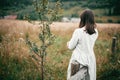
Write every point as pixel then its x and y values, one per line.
pixel 80 29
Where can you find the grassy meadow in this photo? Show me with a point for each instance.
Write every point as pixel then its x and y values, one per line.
pixel 17 64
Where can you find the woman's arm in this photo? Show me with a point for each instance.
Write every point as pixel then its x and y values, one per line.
pixel 73 41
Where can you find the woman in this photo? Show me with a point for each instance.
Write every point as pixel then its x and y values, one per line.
pixel 82 43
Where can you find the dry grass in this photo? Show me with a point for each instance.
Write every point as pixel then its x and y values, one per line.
pixel 13 44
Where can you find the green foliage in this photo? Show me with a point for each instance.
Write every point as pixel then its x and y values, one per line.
pixel 11 3
pixel 118 21
pixel 8 7
pixel 74 15
pixel 29 12
pixel 46 38
pixel 14 65
pixel 0 38
pixel 13 69
pixel 110 69
pixel 110 21
pixel 109 4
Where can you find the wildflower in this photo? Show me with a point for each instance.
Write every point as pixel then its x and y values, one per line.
pixel 107 50
pixel 9 35
pixel 119 61
pixel 21 40
pixel 21 33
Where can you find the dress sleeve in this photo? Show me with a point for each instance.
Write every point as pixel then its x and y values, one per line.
pixel 73 41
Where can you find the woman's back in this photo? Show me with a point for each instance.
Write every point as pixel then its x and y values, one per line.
pixel 85 41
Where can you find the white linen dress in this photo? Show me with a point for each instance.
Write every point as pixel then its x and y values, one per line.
pixel 82 45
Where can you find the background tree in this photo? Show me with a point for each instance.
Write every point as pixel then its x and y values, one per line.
pixel 46 38
pixel 14 5
pixel 111 5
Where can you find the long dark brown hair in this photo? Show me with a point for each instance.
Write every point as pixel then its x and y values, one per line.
pixel 87 20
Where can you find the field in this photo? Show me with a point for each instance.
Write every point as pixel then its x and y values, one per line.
pixel 16 63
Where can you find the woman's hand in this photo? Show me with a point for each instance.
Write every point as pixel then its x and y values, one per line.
pixel 67 43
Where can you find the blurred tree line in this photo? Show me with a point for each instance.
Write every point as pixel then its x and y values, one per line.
pixel 12 6
pixel 111 5
pixel 10 3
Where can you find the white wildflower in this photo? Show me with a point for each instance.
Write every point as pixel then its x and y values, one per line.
pixel 21 33
pixel 107 49
pixel 21 40
pixel 9 35
pixel 119 61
